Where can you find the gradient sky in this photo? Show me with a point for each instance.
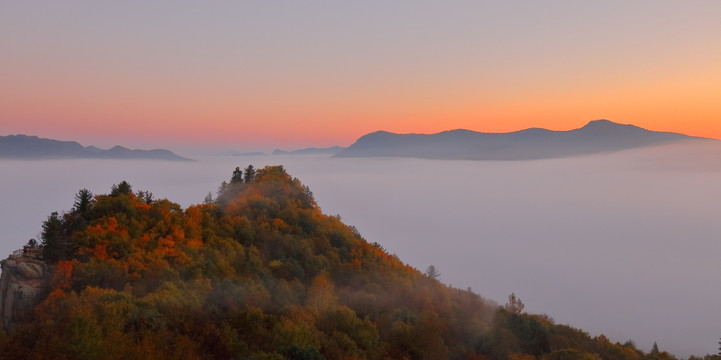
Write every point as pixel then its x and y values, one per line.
pixel 267 74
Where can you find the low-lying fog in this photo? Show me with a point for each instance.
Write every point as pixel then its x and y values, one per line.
pixel 625 244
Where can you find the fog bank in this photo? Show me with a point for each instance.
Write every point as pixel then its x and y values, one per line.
pixel 624 244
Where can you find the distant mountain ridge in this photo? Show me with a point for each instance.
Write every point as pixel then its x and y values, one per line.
pixel 311 151
pixel 33 147
pixel 597 136
pixel 332 150
pixel 238 153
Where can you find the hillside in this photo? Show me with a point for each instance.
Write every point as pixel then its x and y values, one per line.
pixel 33 147
pixel 257 273
pixel 530 144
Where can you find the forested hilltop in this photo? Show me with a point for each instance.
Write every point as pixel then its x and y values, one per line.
pixel 259 272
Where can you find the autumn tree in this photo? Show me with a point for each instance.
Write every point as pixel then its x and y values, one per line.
pixel 301 353
pixel 320 293
pixel 571 354
pixel 514 304
pixel 145 196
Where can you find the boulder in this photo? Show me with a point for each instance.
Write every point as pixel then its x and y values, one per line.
pixel 22 285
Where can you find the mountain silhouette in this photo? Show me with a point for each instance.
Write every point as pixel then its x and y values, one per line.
pixel 596 137
pixel 310 151
pixel 33 147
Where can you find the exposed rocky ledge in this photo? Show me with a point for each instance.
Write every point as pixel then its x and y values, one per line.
pixel 22 286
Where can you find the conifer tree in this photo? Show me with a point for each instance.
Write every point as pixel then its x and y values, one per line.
pixel 122 188
pixel 249 173
pixel 432 272
pixel 222 188
pixel 237 176
pixel 53 241
pixel 83 202
pixel 208 198
pixel 32 243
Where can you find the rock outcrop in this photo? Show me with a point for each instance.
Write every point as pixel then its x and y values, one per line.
pixel 22 286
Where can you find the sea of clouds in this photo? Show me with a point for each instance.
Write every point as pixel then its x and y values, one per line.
pixel 624 244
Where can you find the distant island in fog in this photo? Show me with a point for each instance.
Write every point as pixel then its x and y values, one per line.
pixel 332 150
pixel 597 136
pixel 311 151
pixel 33 147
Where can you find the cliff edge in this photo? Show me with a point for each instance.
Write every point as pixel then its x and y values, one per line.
pixel 22 285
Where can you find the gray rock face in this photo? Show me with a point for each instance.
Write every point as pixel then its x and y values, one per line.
pixel 30 270
pixel 22 284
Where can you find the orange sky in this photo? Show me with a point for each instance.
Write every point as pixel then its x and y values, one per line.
pixel 262 76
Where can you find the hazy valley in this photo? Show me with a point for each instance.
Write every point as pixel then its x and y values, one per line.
pixel 623 244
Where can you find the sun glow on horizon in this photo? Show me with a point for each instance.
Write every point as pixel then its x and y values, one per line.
pixel 248 76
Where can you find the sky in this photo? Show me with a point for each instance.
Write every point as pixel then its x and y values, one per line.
pixel 237 75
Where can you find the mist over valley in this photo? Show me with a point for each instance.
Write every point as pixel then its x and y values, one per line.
pixel 625 244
